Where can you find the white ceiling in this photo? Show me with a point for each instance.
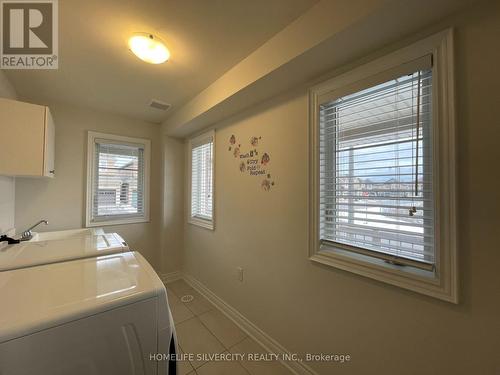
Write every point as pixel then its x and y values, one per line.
pixel 205 37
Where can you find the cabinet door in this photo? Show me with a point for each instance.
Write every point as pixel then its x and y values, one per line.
pixel 23 134
pixel 49 151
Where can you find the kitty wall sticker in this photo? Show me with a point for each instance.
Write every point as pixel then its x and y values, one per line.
pixel 253 161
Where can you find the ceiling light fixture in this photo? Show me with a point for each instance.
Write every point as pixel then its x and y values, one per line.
pixel 149 48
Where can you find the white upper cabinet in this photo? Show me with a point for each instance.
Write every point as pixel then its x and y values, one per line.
pixel 27 139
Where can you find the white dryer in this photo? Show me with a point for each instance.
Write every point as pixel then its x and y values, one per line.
pixel 103 315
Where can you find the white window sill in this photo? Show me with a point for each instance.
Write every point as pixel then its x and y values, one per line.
pixel 203 223
pixel 407 277
pixel 131 220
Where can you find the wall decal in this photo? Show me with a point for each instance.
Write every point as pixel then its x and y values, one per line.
pixel 266 185
pixel 265 159
pixel 232 141
pixel 251 162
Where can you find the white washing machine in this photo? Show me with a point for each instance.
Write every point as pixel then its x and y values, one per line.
pixel 60 248
pixel 82 304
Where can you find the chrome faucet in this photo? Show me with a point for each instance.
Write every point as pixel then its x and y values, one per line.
pixel 28 234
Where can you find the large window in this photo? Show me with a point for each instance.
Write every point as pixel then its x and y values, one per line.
pixel 382 143
pixel 117 186
pixel 376 170
pixel 202 180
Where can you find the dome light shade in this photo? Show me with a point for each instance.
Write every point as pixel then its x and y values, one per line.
pixel 149 48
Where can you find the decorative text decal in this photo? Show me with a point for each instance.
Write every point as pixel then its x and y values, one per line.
pixel 253 162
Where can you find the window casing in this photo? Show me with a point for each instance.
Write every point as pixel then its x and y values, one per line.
pixel 382 170
pixel 117 180
pixel 201 151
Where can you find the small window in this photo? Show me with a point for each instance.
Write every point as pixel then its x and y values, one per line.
pixel 202 180
pixel 383 170
pixel 118 180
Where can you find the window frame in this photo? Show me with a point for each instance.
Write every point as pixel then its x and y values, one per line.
pixel 199 140
pixel 441 283
pixel 112 138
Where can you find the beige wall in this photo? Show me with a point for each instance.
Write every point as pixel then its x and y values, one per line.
pixel 173 205
pixel 6 88
pixel 62 200
pixel 7 184
pixel 316 309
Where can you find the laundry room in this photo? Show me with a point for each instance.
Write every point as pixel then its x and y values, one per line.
pixel 211 187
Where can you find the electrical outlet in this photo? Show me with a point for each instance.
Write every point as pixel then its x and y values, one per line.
pixel 240 273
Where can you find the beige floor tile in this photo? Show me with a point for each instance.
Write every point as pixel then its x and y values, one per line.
pixel 179 311
pixel 171 295
pixel 180 288
pixel 221 368
pixel 249 346
pixel 196 339
pixel 199 304
pixel 224 329
pixel 246 346
pixel 184 367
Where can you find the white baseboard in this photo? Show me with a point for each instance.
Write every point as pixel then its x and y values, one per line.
pixel 266 341
pixel 169 277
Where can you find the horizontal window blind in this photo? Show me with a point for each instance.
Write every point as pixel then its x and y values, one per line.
pixel 118 185
pixel 376 183
pixel 201 179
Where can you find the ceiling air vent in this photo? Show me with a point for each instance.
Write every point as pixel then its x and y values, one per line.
pixel 158 104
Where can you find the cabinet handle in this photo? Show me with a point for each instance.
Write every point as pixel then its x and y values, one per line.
pixel 52 171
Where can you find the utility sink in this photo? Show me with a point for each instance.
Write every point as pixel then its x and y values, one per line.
pixel 65 234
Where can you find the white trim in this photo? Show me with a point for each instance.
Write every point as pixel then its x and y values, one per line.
pixel 204 223
pixel 444 282
pixel 193 142
pixel 91 137
pixel 262 338
pixel 170 277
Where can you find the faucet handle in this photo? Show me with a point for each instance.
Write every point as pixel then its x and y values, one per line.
pixel 9 240
pixel 27 235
